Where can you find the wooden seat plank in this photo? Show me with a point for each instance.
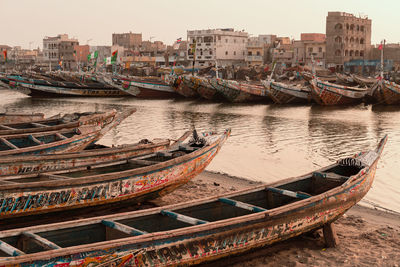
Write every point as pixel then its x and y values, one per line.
pixel 5 127
pixel 182 218
pixel 289 193
pixel 10 250
pixel 122 227
pixel 242 205
pixel 44 243
pixel 8 143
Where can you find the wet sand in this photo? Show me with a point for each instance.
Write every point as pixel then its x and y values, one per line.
pixel 367 237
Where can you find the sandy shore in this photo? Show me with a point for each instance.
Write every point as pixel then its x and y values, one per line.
pixel 367 237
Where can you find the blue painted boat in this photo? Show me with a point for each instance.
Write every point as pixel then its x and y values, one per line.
pixel 202 230
pixel 60 141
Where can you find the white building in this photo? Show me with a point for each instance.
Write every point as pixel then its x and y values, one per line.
pixel 59 48
pixel 224 46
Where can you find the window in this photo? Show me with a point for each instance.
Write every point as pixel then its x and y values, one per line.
pixel 249 53
pixel 243 53
pixel 351 40
pixel 219 38
pixel 351 53
pixel 210 52
pixel 338 39
pixel 338 26
pixel 310 49
pixel 338 52
pixel 362 28
pixel 226 40
pixel 234 53
pixel 320 49
pixel 361 53
pixel 226 53
pixel 258 53
pixel 346 53
pixel 347 26
pixel 352 27
pixel 357 41
pixel 357 53
pixel 358 28
pixel 362 41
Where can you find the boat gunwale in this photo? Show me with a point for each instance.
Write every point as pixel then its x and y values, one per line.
pixel 361 175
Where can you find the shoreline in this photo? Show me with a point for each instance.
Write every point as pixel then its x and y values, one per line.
pixel 367 236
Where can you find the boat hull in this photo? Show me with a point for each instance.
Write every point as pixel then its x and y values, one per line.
pixel 203 241
pixel 328 94
pixel 136 186
pixel 286 95
pixel 234 95
pixel 387 93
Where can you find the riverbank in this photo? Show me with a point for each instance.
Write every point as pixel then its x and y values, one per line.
pixel 367 237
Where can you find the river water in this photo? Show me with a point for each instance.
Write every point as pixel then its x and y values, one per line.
pixel 268 142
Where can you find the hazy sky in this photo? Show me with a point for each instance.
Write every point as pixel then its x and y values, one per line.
pixel 26 22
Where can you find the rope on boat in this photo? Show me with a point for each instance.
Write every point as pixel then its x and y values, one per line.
pixel 351 162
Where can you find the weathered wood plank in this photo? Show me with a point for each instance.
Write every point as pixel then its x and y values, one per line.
pixel 289 193
pixel 54 176
pixel 142 162
pixel 5 127
pixel 34 139
pixel 62 137
pixel 331 239
pixel 122 227
pixel 44 243
pixel 182 218
pixel 36 124
pixel 10 250
pixel 240 204
pixel 5 141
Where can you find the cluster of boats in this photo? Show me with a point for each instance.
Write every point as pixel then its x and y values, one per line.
pixel 345 90
pixel 50 166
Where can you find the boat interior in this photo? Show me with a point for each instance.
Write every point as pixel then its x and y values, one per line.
pixel 16 142
pixel 161 219
pixel 107 168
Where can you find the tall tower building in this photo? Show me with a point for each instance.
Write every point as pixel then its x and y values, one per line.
pixel 347 38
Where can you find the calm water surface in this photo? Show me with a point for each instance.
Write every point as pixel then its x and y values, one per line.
pixel 268 142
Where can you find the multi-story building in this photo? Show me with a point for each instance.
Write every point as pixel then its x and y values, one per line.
pixel 224 46
pixel 347 38
pixel 311 45
pixel 81 54
pixel 127 40
pixel 59 49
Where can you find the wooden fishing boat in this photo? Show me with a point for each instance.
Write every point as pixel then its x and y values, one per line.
pixel 282 93
pixel 202 87
pixel 183 86
pixel 326 93
pixel 364 81
pixel 327 78
pixel 6 118
pixel 135 179
pixel 238 92
pixel 143 87
pixel 48 88
pixel 385 92
pixel 344 79
pixel 57 122
pixel 93 155
pixel 59 141
pixel 201 230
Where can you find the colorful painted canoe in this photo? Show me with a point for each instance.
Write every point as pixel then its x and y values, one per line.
pixel 57 122
pixel 93 155
pixel 202 86
pixel 364 81
pixel 201 230
pixel 136 179
pixel 385 92
pixel 60 141
pixel 143 87
pixel 238 92
pixel 282 93
pixel 184 86
pixel 45 88
pixel 6 118
pixel 326 93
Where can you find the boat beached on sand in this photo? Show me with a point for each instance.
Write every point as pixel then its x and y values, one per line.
pixel 201 230
pixel 132 179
